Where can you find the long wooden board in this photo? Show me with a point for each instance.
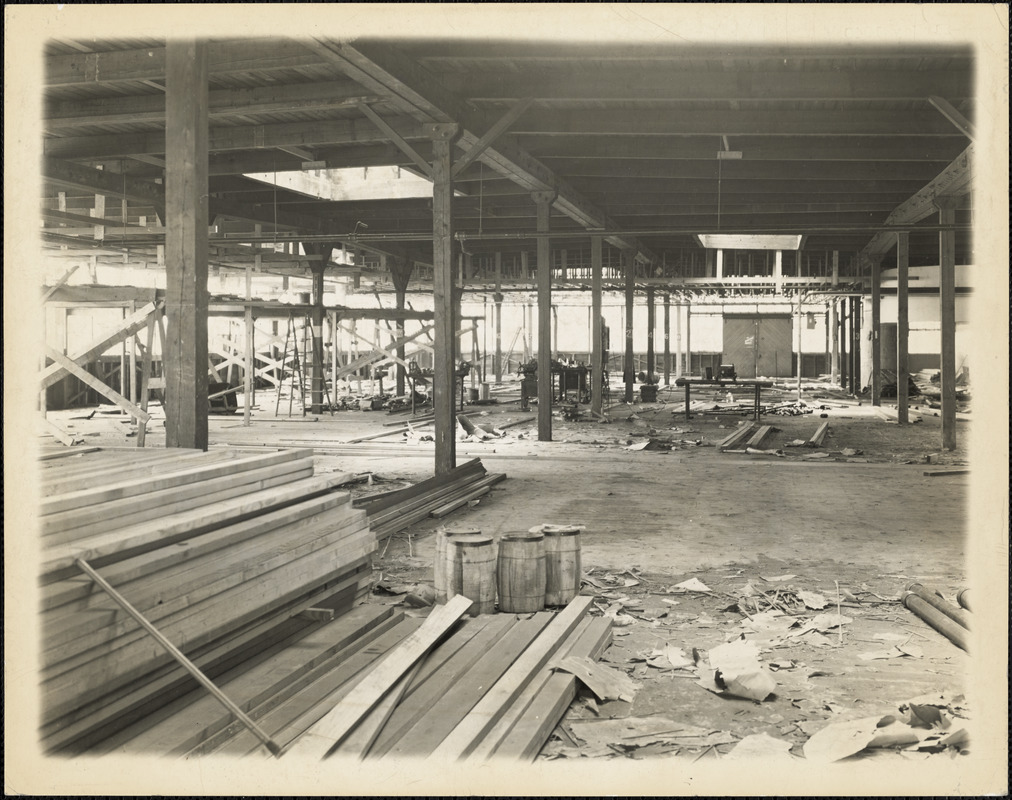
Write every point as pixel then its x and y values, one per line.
pixel 466 736
pixel 329 731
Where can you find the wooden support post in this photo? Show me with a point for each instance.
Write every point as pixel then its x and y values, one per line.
pixel 798 345
pixel 719 270
pixel 185 355
pixel 497 365
pixel 678 340
pixel 316 382
pixel 947 297
pixel 555 331
pixel 688 337
pixel 836 267
pixel 133 359
pixel 855 344
pixel 902 327
pixel 651 324
pixel 778 272
pixel 142 426
pixel 667 340
pixel 876 333
pixel 628 367
pixel 543 201
pixel 834 341
pixel 597 332
pixel 844 344
pixel 443 300
pixel 401 273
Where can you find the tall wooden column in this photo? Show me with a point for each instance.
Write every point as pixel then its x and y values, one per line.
pixel 651 324
pixel 667 339
pixel 596 326
pixel 317 378
pixel 400 272
pixel 678 340
pixel 855 344
pixel 902 327
pixel 185 351
pixel 947 297
pixel 543 201
pixel 497 365
pixel 688 338
pixel 844 347
pixel 834 342
pixel 629 268
pixel 443 299
pixel 876 333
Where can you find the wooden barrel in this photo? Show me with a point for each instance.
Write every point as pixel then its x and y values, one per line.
pixel 470 563
pixel 562 563
pixel 439 561
pixel 520 572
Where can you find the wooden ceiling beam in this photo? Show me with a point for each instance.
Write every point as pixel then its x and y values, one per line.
pixel 224 57
pixel 581 82
pixel 65 174
pixel 954 180
pixel 68 114
pixel 715 122
pixel 419 92
pixel 753 147
pixel 247 137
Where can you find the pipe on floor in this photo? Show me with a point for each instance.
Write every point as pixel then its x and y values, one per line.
pixel 937 620
pixel 931 595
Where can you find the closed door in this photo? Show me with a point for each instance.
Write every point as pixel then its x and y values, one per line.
pixel 758 346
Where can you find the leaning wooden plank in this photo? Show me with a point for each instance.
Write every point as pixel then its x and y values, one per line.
pixel 463 694
pixel 819 435
pixel 466 736
pixel 76 729
pixel 385 524
pixel 77 680
pixel 127 328
pixel 103 389
pixel 358 742
pixel 295 518
pixel 463 651
pixel 760 434
pixel 72 630
pixel 193 721
pixel 318 741
pixel 291 719
pixel 168 479
pixel 737 435
pixel 528 734
pixel 63 437
pixel 178 655
pixel 77 523
pixel 436 498
pixel 161 533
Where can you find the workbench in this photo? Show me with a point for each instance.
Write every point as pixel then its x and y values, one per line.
pixel 757 385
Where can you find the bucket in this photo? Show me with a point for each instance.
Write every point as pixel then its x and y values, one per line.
pixel 472 395
pixel 486 391
pixel 439 562
pixel 648 393
pixel 520 572
pixel 470 571
pixel 562 563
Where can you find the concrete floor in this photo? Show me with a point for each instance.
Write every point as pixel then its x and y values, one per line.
pixel 868 528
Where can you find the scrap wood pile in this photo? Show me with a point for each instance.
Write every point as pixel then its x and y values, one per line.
pixel 393 511
pixel 377 683
pixel 216 551
pixel 800 660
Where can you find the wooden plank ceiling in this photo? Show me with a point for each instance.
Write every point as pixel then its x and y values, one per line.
pixel 834 141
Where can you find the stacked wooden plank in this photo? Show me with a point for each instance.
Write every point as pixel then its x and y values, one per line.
pixel 217 550
pixel 377 684
pixel 394 511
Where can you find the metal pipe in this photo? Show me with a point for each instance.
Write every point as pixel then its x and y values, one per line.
pixel 931 595
pixel 937 620
pixel 963 598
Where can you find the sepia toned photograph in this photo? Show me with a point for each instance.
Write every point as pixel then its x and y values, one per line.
pixel 504 399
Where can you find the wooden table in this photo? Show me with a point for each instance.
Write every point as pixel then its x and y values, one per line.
pixel 688 383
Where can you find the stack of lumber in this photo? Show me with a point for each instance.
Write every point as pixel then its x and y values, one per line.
pixel 217 550
pixel 438 496
pixel 376 683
